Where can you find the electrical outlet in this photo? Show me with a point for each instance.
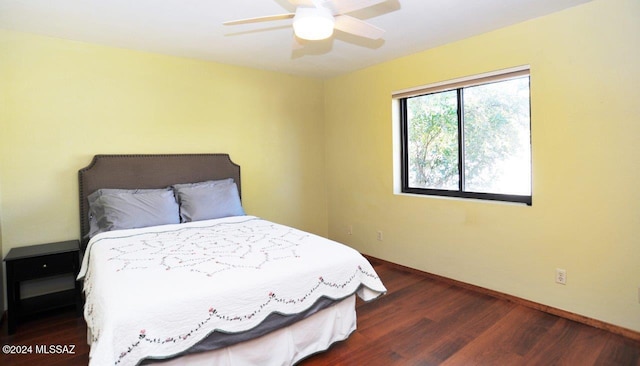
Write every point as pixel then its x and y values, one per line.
pixel 380 236
pixel 350 230
pixel 561 276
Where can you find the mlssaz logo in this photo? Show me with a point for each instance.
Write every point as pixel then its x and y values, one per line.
pixel 55 349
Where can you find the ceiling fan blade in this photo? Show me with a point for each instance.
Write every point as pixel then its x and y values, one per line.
pixel 260 19
pixel 357 27
pixel 347 6
pixel 297 3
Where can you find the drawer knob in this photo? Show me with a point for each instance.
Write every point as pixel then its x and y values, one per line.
pixel 44 266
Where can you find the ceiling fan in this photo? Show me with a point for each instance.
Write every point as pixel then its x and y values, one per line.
pixel 316 19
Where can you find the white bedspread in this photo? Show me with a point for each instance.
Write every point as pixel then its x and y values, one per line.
pixel 157 291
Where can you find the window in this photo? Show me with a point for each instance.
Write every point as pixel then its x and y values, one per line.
pixel 469 138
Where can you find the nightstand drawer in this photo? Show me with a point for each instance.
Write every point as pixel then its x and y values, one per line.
pixel 38 267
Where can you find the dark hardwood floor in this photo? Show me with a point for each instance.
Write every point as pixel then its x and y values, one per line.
pixel 420 321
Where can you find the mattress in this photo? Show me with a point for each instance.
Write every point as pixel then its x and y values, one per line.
pixel 159 292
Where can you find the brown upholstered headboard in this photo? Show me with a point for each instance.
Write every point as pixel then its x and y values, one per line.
pixel 149 171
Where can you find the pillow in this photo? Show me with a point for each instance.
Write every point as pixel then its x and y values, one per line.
pixel 115 209
pixel 212 199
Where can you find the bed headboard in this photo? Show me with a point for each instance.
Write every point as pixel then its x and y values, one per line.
pixel 149 171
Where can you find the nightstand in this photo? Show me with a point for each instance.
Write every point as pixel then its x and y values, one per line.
pixel 39 262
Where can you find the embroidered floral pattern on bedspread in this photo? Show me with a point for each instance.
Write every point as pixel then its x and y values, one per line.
pixel 213 314
pixel 208 250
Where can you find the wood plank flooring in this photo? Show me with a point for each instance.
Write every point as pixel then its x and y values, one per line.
pixel 420 321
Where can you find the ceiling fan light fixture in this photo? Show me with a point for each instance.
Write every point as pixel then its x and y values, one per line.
pixel 313 24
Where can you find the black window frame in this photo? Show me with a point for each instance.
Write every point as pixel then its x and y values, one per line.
pixel 460 192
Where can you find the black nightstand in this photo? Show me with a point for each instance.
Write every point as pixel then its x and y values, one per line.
pixel 38 262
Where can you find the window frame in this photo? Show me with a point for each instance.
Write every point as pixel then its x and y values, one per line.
pixel 459 86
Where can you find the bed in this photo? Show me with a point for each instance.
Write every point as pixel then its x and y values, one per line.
pixel 175 272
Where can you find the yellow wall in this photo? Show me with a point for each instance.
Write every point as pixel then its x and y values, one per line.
pixel 63 101
pixel 585 217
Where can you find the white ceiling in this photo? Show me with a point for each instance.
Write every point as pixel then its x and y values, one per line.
pixel 193 28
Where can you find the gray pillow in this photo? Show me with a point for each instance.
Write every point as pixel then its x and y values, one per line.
pixel 212 199
pixel 116 209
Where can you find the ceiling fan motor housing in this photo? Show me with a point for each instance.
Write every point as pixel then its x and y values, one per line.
pixel 313 23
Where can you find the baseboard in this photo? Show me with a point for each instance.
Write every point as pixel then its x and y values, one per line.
pixel 615 329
